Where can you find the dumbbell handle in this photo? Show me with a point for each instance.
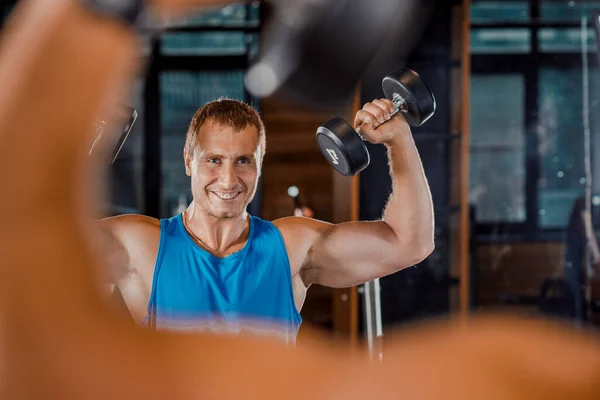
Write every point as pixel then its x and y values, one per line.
pixel 400 105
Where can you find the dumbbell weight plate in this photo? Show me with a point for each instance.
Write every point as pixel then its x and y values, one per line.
pixel 420 101
pixel 342 147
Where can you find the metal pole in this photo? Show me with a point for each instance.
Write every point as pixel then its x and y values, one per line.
pixel 592 251
pixel 372 317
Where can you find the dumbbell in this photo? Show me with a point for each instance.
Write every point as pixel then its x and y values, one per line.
pixel 126 117
pixel 344 148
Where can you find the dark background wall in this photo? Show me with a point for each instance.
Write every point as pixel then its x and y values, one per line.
pixel 423 290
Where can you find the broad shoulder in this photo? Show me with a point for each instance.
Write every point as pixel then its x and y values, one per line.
pixel 140 237
pixel 300 235
pixel 131 221
pixel 131 228
pixel 296 228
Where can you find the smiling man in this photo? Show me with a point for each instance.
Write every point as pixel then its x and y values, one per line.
pixel 213 266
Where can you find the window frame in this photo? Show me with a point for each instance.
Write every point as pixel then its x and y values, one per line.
pixel 529 65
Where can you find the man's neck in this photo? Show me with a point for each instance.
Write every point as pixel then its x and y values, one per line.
pixel 218 235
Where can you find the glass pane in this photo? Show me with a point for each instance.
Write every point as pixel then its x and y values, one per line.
pixel 499 11
pixel 489 41
pixel 565 39
pixel 567 10
pixel 498 147
pixel 181 95
pixel 232 15
pixel 126 173
pixel 498 185
pixel 206 43
pixel 561 141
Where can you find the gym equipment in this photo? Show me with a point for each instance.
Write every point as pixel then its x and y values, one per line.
pixel 129 11
pixel 314 52
pixel 125 114
pixel 293 192
pixel 372 317
pixel 300 209
pixel 344 148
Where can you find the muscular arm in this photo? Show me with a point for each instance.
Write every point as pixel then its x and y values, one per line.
pixel 347 254
pixel 110 250
pixel 125 239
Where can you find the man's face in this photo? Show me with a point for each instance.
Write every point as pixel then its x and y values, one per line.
pixel 224 168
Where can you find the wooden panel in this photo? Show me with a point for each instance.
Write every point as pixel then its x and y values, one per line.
pixel 293 133
pixel 296 137
pixel 464 162
pixel 516 269
pixel 313 180
pixel 455 152
pixel 293 158
pixel 346 208
pixel 460 121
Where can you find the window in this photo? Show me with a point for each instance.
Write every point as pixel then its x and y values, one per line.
pixel 567 11
pixel 527 121
pixel 489 41
pixel 498 147
pixel 499 11
pixel 561 144
pixel 565 40
pixel 126 173
pixel 204 43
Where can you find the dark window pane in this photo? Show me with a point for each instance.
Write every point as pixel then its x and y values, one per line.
pixel 126 174
pixel 567 10
pixel 206 43
pixel 181 95
pixel 565 39
pixel 254 12
pixel 561 141
pixel 490 41
pixel 499 11
pixel 497 173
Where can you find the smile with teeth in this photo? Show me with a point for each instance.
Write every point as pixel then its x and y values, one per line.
pixel 226 195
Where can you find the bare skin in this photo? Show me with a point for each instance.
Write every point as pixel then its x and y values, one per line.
pixel 224 172
pixel 58 341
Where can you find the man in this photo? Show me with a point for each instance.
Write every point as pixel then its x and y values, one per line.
pixel 215 263
pixel 57 340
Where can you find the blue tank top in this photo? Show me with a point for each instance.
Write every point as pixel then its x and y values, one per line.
pixel 250 290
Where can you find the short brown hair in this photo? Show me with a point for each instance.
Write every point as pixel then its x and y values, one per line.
pixel 228 112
